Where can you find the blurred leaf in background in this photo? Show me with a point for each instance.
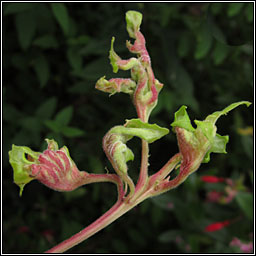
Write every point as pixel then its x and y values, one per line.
pixel 53 53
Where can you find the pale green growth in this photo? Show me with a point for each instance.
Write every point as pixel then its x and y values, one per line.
pixel 122 154
pixel 115 140
pixel 133 21
pixel 145 131
pixel 182 120
pixel 20 164
pixel 214 116
pixel 205 129
pixel 115 85
pixel 113 56
pixel 52 144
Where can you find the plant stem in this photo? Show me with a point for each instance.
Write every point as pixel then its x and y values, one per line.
pixel 92 178
pixel 142 181
pixel 117 210
pixel 166 169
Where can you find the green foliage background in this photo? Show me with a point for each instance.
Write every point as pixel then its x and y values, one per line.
pixel 53 53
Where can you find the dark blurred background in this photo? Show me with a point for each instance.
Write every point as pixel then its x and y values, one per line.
pixel 53 54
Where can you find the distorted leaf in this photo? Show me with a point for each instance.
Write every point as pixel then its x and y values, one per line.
pixel 135 127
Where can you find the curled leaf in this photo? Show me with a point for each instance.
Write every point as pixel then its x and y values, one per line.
pixel 116 150
pixel 53 167
pixel 145 131
pixel 195 143
pixel 114 142
pixel 21 159
pixel 133 20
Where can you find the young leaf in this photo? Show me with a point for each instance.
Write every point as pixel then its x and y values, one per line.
pixel 203 140
pixel 135 127
pixel 117 151
pixel 181 119
pixel 133 20
pixel 19 163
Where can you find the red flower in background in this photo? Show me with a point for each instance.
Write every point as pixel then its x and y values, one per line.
pixel 212 179
pixel 216 226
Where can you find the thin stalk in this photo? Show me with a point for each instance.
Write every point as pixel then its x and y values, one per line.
pixel 143 177
pixel 166 169
pixel 119 209
pixel 92 178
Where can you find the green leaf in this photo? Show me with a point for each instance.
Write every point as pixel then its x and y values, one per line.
pixel 245 201
pixel 204 42
pixel 182 119
pixel 12 8
pixel 204 138
pixel 26 28
pixel 46 42
pixel 61 14
pixel 72 132
pixel 31 124
pixel 133 20
pixel 116 149
pixel 113 56
pixel 214 117
pixel 75 58
pixel 184 45
pixel 220 52
pixel 20 164
pixel 135 127
pixel 42 70
pixel 218 146
pixel 53 125
pixel 46 109
pixel 64 116
pixel 234 9
pixel 249 12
